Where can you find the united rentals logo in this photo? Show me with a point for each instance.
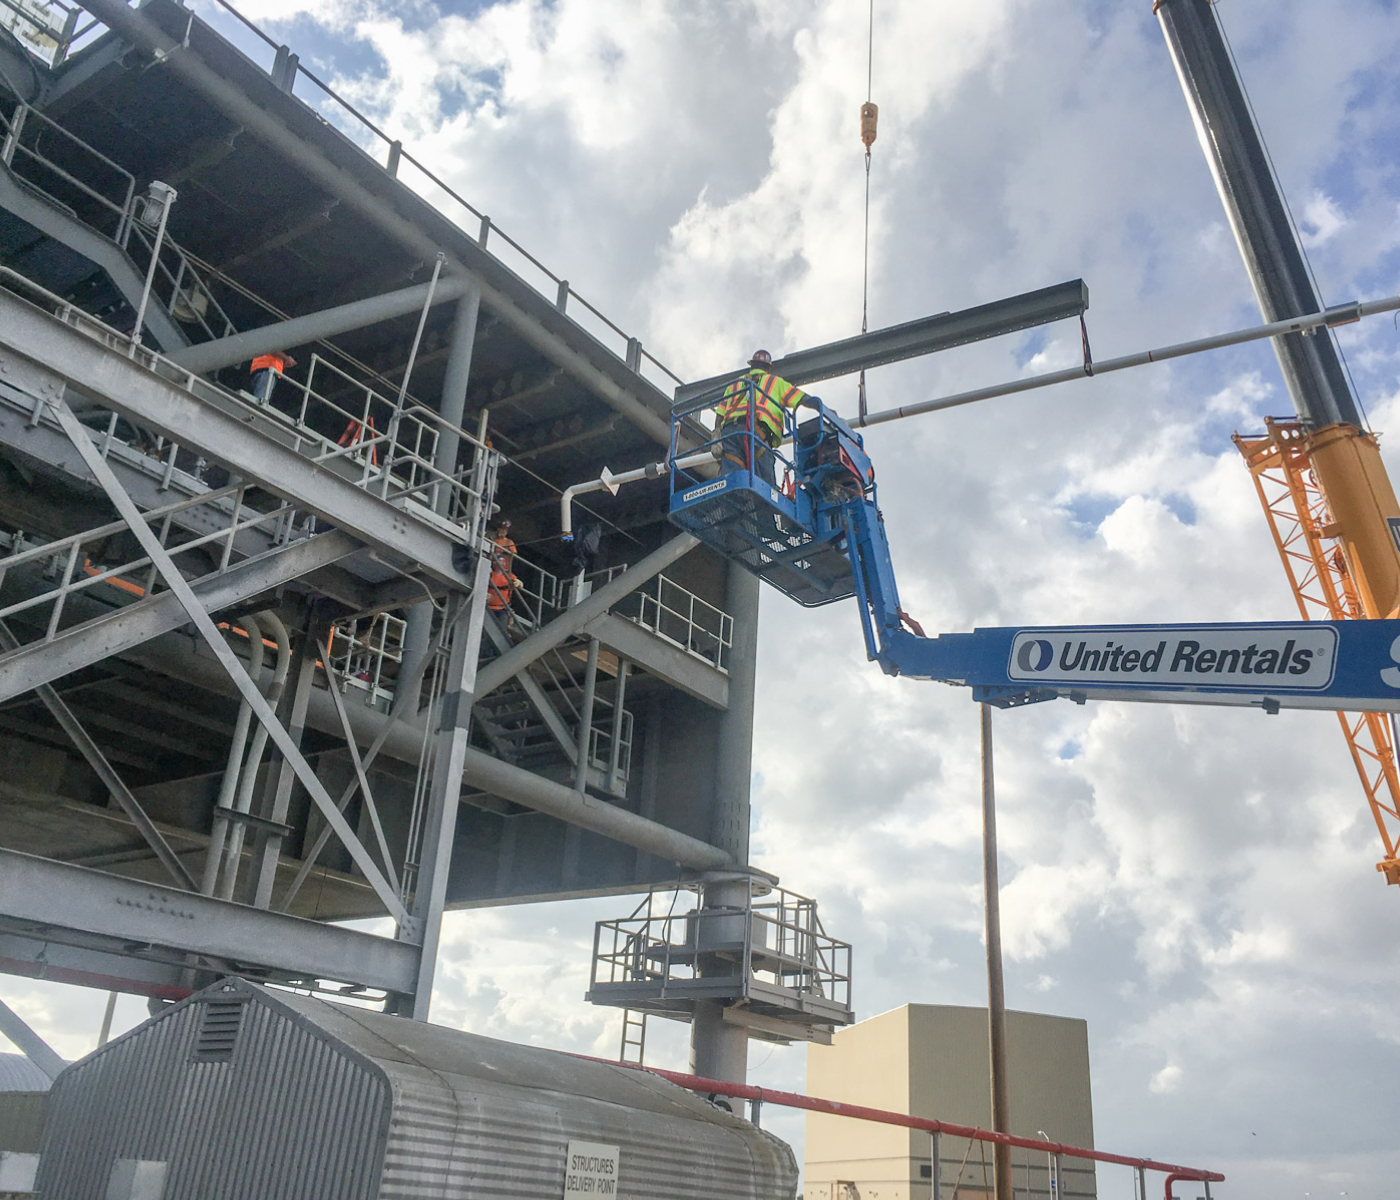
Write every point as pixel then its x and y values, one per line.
pixel 1277 658
pixel 709 489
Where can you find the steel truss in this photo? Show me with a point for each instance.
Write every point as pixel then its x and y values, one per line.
pixel 1281 467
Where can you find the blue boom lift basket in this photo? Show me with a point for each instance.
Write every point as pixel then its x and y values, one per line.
pixel 790 532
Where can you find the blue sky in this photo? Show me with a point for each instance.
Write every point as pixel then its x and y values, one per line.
pixel 1198 885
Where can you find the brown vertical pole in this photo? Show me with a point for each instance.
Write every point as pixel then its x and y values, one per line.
pixel 996 996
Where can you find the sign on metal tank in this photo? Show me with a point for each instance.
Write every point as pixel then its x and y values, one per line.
pixel 590 1171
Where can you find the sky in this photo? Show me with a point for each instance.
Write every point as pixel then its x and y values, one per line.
pixel 1197 884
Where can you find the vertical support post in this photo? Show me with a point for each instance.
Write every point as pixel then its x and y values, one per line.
pixel 7 152
pixel 1058 1186
pixel 585 720
pixel 167 196
pixel 634 354
pixel 267 845
pixel 936 1171
pixel 105 1033
pixel 284 69
pixel 719 1050
pixel 619 712
pixel 1142 1182
pixel 561 299
pixel 395 157
pixel 440 823
pixel 996 994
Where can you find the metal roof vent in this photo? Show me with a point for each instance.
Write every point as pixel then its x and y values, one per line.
pixel 219 1023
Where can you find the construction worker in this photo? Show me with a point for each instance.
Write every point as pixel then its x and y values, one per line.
pixel 501 588
pixel 265 370
pixel 504 553
pixel 772 398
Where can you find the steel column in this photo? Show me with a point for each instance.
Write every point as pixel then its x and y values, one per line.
pixel 206 627
pixel 618 717
pixel 585 719
pixel 440 825
pixel 716 1045
pixel 206 357
pixel 267 847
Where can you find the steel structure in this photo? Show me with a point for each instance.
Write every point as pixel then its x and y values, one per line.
pixel 251 677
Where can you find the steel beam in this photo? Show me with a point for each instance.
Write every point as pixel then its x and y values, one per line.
pixel 928 335
pixel 206 357
pixel 682 670
pixel 572 621
pixel 522 787
pixel 35 1049
pixel 69 904
pixel 182 61
pixel 212 637
pixel 30 666
pixel 52 354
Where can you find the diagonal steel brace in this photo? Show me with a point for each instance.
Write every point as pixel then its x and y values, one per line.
pixel 200 618
pixel 107 773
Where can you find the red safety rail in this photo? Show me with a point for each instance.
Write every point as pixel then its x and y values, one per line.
pixel 744 1091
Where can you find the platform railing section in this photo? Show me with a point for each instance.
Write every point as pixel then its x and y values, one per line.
pixel 679 616
pixel 776 941
pixel 367 654
pixel 47 28
pixel 351 436
pixel 102 194
pixel 391 155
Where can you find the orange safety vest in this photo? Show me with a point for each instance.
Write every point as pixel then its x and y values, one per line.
pixel 772 397
pixel 269 362
pixel 355 433
pixel 501 589
pixel 505 551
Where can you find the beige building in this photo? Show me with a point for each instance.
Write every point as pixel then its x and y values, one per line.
pixel 930 1060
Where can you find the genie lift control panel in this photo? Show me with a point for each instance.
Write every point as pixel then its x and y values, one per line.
pixel 804 517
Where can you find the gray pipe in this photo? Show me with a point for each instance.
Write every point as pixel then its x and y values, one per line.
pixel 241 347
pixel 248 777
pixel 134 27
pixel 213 854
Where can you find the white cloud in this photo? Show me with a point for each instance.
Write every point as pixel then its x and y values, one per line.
pixel 1197 883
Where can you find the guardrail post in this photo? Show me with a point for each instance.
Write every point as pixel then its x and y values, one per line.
pixel 485 232
pixel 284 69
pixel 65 38
pixel 561 298
pixel 634 354
pixel 7 153
pixel 395 154
pixel 937 1169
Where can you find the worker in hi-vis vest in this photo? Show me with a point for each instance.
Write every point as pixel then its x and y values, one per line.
pixel 772 398
pixel 266 368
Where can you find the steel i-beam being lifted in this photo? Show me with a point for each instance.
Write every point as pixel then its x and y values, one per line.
pixel 928 335
pixel 150 544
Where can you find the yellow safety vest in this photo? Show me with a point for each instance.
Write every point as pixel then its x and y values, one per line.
pixel 771 397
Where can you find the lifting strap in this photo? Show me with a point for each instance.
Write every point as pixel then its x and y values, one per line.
pixel 869 116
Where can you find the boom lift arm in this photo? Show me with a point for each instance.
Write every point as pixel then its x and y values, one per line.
pixel 818 536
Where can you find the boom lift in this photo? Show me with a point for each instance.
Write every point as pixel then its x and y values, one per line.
pixel 818 536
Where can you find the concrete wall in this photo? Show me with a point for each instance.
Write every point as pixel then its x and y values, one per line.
pixel 931 1061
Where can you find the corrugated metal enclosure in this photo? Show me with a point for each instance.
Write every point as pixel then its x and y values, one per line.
pixel 255 1094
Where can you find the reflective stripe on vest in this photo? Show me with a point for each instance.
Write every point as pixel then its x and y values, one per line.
pixel 770 400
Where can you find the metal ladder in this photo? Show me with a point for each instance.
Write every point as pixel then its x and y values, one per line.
pixel 634 1037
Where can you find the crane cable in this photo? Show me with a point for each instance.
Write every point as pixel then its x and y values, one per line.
pixel 869 115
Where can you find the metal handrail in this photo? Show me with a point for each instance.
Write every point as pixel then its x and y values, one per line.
pixel 419 476
pixel 562 291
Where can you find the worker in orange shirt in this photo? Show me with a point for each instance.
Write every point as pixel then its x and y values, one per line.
pixel 265 369
pixel 504 553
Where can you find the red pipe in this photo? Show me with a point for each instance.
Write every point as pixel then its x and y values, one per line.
pixel 745 1091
